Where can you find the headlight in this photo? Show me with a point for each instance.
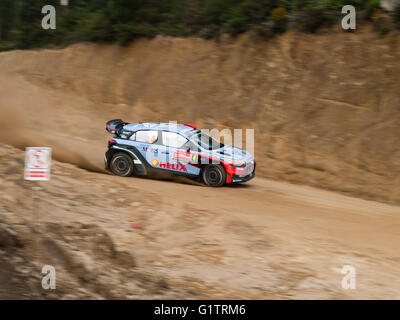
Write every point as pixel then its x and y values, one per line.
pixel 236 163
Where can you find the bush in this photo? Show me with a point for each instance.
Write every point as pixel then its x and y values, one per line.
pixel 265 30
pixel 397 16
pixel 313 18
pixel 237 25
pixel 371 8
pixel 280 17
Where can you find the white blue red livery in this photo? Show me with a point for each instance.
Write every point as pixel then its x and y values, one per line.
pixel 178 149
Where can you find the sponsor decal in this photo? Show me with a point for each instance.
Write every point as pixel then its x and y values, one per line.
pixel 166 165
pixel 149 149
pixel 185 156
pixel 172 166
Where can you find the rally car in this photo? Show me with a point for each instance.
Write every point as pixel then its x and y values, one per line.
pixel 179 149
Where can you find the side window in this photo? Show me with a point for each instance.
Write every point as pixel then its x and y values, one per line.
pixel 190 145
pixel 172 139
pixel 148 136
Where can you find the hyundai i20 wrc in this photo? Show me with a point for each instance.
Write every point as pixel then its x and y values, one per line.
pixel 180 149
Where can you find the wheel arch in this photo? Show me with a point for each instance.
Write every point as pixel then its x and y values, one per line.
pixel 225 166
pixel 139 167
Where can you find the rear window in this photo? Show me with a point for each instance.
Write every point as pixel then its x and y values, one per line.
pixel 148 136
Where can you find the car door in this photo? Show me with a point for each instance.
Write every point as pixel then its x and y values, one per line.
pixel 178 155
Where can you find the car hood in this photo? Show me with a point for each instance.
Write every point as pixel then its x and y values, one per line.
pixel 234 153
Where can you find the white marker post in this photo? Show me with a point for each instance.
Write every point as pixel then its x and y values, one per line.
pixel 37 168
pixel 37 164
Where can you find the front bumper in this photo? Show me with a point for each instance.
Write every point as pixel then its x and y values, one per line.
pixel 240 174
pixel 238 178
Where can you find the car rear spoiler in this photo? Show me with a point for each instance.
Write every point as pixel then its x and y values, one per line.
pixel 113 126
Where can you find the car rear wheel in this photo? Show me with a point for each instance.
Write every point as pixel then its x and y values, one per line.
pixel 214 175
pixel 121 165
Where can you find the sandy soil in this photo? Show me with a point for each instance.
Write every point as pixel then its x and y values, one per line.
pixel 258 240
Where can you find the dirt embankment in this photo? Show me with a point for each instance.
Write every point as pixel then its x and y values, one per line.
pixel 325 108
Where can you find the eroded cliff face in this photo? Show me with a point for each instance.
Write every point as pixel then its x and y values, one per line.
pixel 325 108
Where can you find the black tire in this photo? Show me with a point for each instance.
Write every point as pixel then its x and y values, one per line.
pixel 121 165
pixel 214 175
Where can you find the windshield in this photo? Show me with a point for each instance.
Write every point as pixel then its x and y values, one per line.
pixel 205 141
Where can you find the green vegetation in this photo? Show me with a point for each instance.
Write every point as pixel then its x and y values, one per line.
pixel 121 21
pixel 397 16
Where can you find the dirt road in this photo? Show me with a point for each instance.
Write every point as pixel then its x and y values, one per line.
pixel 260 240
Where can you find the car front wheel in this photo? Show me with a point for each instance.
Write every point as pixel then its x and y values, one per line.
pixel 214 175
pixel 121 165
